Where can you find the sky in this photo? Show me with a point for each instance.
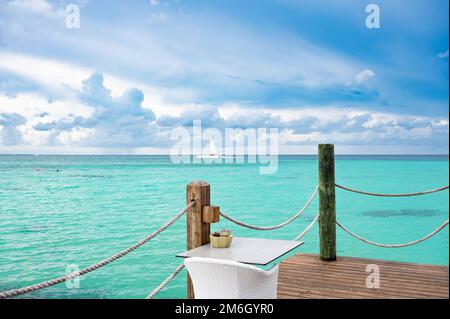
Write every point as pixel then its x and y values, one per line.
pixel 134 70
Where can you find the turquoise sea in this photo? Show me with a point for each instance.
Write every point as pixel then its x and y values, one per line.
pixel 95 206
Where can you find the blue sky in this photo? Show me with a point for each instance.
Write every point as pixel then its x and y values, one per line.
pixel 136 69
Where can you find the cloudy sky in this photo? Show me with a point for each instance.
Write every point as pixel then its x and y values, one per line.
pixel 136 69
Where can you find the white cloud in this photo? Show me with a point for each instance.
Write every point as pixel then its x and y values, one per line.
pixel 364 76
pixel 111 115
pixel 65 79
pixel 114 121
pixel 157 18
pixel 10 135
pixel 89 126
pixel 155 3
pixel 443 55
pixel 204 49
pixel 34 6
pixel 441 123
pixel 35 108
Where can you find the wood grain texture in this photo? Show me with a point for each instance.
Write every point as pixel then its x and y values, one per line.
pixel 327 203
pixel 211 214
pixel 305 276
pixel 197 230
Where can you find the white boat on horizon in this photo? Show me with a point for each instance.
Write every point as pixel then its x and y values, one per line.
pixel 213 154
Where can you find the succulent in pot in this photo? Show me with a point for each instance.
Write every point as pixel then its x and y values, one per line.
pixel 225 233
pixel 221 239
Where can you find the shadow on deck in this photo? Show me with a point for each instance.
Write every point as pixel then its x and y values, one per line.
pixel 304 276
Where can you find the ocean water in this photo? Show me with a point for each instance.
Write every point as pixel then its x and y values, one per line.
pixel 95 206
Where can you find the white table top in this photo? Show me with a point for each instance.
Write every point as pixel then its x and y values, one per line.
pixel 253 251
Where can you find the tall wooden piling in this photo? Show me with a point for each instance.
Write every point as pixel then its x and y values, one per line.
pixel 197 230
pixel 327 203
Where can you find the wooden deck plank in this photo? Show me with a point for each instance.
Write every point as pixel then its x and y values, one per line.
pixel 306 276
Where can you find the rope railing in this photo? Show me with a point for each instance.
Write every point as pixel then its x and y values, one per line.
pixel 306 230
pixel 434 232
pixel 55 281
pixel 313 222
pixel 290 220
pixel 431 191
pixel 165 282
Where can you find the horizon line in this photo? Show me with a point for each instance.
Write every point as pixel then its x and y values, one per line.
pixel 305 154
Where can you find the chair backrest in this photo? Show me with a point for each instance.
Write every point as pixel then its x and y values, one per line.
pixel 224 279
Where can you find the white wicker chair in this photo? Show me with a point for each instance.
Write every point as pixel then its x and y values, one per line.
pixel 223 279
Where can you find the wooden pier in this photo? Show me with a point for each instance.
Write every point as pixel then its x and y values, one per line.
pixel 305 276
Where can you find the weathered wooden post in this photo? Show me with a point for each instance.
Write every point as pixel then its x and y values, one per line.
pixel 327 203
pixel 197 230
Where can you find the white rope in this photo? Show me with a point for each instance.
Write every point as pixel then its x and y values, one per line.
pixel 437 230
pixel 392 195
pixel 165 282
pixel 303 233
pixel 28 289
pixel 290 220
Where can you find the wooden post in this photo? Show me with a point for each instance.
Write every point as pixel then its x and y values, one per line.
pixel 197 230
pixel 327 203
pixel 211 214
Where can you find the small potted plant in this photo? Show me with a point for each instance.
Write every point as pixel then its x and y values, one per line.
pixel 221 239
